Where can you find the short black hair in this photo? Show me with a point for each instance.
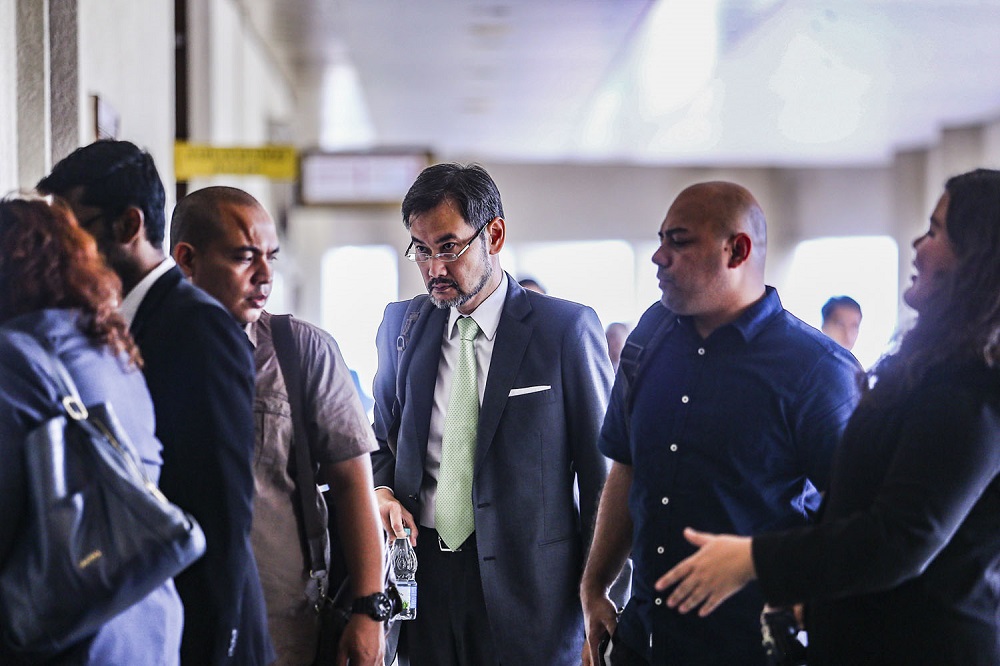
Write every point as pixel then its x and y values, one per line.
pixel 468 186
pixel 530 282
pixel 113 175
pixel 838 302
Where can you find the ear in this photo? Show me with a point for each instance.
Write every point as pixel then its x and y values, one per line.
pixel 185 254
pixel 129 225
pixel 740 247
pixel 497 233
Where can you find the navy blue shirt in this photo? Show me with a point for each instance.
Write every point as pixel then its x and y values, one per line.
pixel 733 434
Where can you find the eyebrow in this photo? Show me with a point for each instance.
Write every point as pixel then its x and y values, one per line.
pixel 253 249
pixel 441 239
pixel 670 233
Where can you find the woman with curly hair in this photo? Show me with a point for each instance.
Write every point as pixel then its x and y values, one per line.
pixel 904 567
pixel 55 288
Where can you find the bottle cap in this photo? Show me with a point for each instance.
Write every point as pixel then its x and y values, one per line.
pixel 406 531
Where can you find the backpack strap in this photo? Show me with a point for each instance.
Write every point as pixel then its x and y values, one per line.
pixel 317 540
pixel 654 325
pixel 417 306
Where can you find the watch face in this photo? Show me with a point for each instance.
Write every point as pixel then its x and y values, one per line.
pixel 376 606
pixel 382 607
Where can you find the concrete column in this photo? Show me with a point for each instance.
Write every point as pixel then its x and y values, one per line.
pixel 8 95
pixel 64 78
pixel 33 131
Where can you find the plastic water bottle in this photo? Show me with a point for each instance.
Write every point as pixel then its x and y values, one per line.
pixel 404 564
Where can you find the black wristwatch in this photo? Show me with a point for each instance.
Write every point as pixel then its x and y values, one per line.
pixel 376 606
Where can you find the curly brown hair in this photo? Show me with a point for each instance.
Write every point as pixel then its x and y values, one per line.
pixel 961 322
pixel 47 261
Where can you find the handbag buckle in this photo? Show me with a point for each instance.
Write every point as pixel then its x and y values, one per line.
pixel 74 408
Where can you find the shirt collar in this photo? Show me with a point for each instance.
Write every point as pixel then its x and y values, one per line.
pixel 751 322
pixel 130 304
pixel 487 315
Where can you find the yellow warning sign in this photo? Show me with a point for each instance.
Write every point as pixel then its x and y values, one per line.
pixel 192 160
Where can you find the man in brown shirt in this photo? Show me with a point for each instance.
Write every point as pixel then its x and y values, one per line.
pixel 225 242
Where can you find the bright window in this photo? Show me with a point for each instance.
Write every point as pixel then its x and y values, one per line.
pixel 358 282
pixel 862 267
pixel 595 273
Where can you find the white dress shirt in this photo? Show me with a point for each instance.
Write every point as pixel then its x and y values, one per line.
pixel 133 299
pixel 487 317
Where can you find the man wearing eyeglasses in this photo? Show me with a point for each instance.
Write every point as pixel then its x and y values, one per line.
pixel 488 404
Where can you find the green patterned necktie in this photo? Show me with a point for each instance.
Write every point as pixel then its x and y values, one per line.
pixel 453 513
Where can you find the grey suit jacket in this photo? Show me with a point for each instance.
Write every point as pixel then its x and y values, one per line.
pixel 531 531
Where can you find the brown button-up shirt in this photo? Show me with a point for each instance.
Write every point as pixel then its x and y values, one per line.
pixel 339 430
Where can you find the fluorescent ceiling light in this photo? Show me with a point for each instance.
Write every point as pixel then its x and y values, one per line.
pixel 344 120
pixel 676 54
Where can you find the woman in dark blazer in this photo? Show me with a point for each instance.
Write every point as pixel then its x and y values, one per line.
pixel 54 287
pixel 904 567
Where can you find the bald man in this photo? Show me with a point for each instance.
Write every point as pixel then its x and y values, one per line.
pixel 225 242
pixel 724 415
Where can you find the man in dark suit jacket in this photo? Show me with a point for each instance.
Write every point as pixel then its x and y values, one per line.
pixel 199 369
pixel 508 593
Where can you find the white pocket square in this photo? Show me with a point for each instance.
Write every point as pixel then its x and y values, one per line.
pixel 526 390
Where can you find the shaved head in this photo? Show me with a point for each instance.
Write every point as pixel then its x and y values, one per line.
pixel 710 263
pixel 198 217
pixel 729 208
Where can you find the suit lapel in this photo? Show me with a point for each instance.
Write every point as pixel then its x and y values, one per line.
pixel 421 375
pixel 513 335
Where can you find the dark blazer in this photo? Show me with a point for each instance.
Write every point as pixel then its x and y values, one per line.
pixel 531 531
pixel 199 369
pixel 903 568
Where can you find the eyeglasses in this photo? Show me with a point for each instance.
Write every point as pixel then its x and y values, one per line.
pixel 421 257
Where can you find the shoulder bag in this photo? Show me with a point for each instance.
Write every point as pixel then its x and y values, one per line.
pixel 98 535
pixel 334 610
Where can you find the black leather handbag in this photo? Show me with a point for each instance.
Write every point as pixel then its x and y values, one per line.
pixel 98 535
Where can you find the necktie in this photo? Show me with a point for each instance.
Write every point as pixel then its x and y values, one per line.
pixel 453 514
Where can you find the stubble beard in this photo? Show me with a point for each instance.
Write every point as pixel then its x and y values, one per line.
pixel 461 297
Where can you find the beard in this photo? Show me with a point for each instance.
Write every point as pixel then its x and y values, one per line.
pixel 461 297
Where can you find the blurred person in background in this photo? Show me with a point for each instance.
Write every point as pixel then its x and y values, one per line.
pixel 532 284
pixel 616 333
pixel 842 320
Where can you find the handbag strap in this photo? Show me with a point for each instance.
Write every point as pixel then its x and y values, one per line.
pixel 305 477
pixel 69 397
pixel 72 404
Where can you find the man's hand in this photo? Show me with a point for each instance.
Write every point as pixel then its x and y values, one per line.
pixel 363 643
pixel 600 617
pixel 394 516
